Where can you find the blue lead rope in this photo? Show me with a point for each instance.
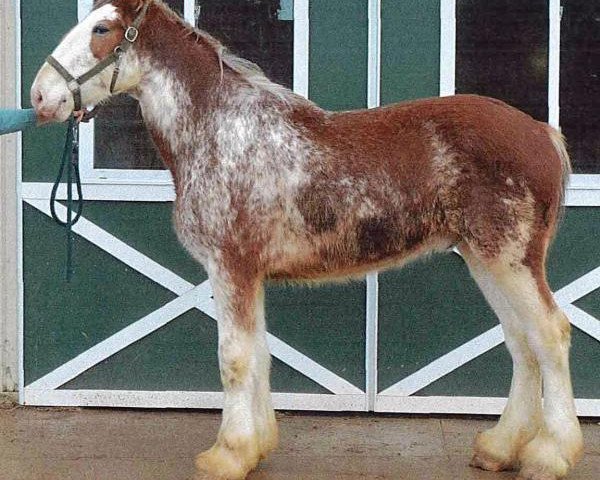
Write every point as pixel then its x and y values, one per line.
pixel 70 162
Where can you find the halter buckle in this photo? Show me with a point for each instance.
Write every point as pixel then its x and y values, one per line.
pixel 73 85
pixel 131 34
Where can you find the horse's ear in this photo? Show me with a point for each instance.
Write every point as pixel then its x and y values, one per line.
pixel 140 4
pixel 135 5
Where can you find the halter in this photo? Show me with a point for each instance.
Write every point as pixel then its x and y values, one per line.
pixel 74 83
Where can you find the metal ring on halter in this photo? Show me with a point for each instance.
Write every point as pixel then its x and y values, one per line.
pixel 73 85
pixel 131 34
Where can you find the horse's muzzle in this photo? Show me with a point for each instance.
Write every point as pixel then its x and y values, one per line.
pixel 49 108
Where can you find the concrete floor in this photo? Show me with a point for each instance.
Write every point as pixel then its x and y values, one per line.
pixel 103 444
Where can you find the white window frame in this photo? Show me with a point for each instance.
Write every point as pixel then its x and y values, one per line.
pixel 111 182
pixel 583 189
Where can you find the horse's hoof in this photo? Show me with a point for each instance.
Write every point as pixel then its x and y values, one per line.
pixel 222 462
pixel 541 459
pixel 480 461
pixel 491 452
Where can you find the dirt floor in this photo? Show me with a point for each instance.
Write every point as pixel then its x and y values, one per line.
pixel 103 444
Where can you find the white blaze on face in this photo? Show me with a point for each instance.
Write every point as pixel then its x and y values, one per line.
pixel 74 51
pixel 75 55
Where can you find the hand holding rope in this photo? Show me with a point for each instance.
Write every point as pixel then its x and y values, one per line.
pixel 18 120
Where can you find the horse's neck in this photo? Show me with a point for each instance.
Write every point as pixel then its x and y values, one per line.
pixel 179 75
pixel 190 116
pixel 195 105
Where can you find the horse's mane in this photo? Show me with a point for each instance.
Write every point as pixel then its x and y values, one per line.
pixel 247 70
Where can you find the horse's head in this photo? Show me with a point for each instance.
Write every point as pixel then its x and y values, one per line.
pixel 93 60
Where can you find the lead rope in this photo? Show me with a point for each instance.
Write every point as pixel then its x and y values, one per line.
pixel 70 160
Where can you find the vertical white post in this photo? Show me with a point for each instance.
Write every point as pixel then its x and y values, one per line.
pixel 301 46
pixel 86 130
pixel 19 183
pixel 189 8
pixel 373 100
pixel 10 89
pixel 447 47
pixel 374 55
pixel 371 340
pixel 83 8
pixel 554 63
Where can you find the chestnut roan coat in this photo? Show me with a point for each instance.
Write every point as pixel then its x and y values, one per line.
pixel 270 186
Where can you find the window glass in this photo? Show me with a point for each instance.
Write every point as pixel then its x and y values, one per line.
pixel 121 140
pixel 259 30
pixel 502 52
pixel 580 83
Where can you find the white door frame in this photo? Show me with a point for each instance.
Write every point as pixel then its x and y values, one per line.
pixel 584 190
pixel 45 391
pixel 10 93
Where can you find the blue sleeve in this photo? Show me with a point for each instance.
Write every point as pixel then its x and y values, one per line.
pixel 16 120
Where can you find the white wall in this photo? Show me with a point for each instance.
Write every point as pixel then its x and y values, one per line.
pixel 8 204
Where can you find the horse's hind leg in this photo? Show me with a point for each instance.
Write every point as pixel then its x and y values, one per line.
pixel 541 330
pixel 498 448
pixel 248 430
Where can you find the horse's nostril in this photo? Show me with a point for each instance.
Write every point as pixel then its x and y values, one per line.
pixel 63 100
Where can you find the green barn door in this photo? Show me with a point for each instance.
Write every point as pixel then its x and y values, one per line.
pixel 136 326
pixel 440 346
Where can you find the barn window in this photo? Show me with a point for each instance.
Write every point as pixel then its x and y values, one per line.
pixel 259 30
pixel 580 83
pixel 502 52
pixel 121 140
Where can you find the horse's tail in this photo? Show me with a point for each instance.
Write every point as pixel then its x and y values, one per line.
pixel 560 145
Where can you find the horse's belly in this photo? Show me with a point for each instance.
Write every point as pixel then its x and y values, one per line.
pixel 347 260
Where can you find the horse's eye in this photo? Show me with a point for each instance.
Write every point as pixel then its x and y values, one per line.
pixel 100 30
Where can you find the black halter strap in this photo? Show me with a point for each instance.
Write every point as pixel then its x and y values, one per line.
pixel 74 83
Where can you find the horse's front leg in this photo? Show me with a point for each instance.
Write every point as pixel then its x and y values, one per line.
pixel 248 430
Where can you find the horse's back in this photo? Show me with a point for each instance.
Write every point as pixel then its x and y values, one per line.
pixel 470 126
pixel 464 140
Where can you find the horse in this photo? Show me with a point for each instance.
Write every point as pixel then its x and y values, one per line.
pixel 271 187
